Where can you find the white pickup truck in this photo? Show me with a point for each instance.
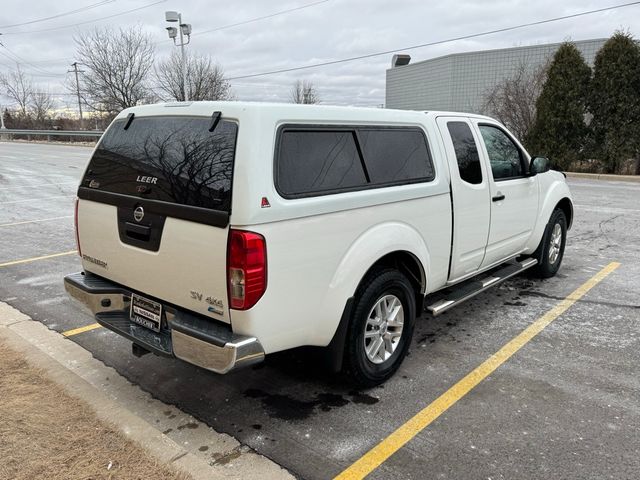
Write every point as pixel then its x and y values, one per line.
pixel 219 232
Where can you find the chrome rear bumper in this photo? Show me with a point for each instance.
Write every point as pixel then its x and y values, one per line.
pixel 197 340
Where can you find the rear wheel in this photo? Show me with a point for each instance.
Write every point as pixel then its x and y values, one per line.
pixel 381 327
pixel 551 249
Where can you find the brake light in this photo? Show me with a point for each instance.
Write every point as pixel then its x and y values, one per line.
pixel 75 224
pixel 246 269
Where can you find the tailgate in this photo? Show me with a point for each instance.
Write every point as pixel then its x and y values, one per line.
pixel 154 207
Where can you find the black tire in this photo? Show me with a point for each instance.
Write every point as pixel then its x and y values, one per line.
pixel 549 264
pixel 378 285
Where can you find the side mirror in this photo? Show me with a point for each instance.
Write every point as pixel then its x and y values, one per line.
pixel 539 165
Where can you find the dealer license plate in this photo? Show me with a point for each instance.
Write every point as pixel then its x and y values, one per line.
pixel 146 312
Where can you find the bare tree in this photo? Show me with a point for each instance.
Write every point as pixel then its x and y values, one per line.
pixel 18 87
pixel 41 105
pixel 303 91
pixel 205 79
pixel 117 64
pixel 513 100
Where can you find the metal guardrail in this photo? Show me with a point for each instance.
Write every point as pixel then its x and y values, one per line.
pixel 50 133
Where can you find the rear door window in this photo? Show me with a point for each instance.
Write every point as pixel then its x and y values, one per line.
pixel 172 159
pixel 466 152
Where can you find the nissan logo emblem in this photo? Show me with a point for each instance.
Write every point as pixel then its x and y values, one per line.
pixel 138 214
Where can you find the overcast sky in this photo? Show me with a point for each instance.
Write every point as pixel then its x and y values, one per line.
pixel 329 30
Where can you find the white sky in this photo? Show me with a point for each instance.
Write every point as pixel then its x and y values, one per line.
pixel 330 30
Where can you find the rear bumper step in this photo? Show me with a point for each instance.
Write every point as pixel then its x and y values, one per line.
pixel 456 295
pixel 186 336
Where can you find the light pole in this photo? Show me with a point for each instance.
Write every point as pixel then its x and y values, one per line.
pixel 185 29
pixel 76 71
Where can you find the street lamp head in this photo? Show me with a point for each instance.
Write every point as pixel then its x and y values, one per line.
pixel 186 28
pixel 172 31
pixel 171 16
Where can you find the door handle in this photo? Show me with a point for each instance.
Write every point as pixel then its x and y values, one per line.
pixel 138 232
pixel 498 197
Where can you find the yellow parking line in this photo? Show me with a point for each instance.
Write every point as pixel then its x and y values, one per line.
pixel 35 259
pixel 86 328
pixel 387 447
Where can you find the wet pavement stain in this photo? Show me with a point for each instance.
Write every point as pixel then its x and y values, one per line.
pixel 533 293
pixel 223 459
pixel 190 426
pixel 285 407
pixel 363 398
pixel 425 337
pixel 330 400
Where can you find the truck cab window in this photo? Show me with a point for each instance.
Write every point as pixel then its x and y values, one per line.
pixel 504 155
pixel 466 152
pixel 314 162
pixel 396 155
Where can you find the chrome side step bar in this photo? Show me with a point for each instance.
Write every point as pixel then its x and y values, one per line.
pixel 469 289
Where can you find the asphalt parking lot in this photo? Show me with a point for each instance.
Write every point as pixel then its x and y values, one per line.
pixel 566 405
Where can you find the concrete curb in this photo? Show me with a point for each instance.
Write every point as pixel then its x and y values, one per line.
pixel 88 379
pixel 604 176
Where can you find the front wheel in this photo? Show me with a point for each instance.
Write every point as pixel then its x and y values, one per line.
pixel 381 327
pixel 551 249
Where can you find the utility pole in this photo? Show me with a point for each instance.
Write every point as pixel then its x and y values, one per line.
pixel 2 127
pixel 76 71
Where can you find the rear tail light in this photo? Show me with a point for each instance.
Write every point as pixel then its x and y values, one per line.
pixel 246 269
pixel 75 224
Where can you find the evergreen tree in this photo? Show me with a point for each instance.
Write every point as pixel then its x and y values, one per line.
pixel 559 130
pixel 615 102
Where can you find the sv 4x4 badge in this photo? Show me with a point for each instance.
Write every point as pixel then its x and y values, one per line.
pixel 215 304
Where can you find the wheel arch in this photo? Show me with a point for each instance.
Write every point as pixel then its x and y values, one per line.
pixel 554 194
pixel 394 244
pixel 403 261
pixel 409 265
pixel 567 207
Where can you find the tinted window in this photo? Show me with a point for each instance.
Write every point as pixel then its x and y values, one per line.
pixel 395 155
pixel 172 159
pixel 466 152
pixel 504 155
pixel 318 161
